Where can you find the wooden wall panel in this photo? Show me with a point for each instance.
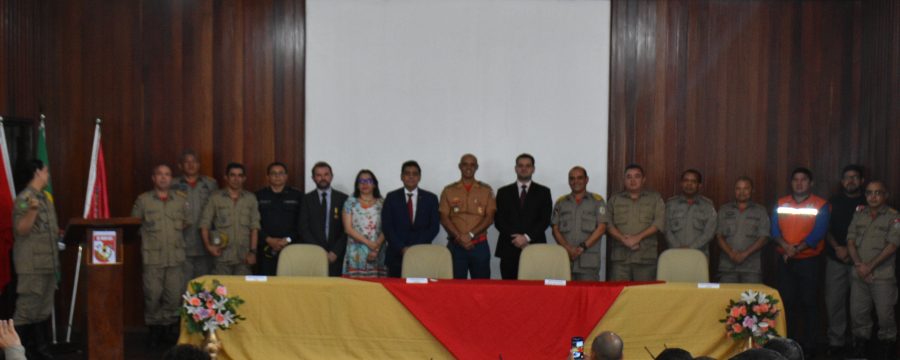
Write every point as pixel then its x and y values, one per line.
pixel 755 88
pixel 224 78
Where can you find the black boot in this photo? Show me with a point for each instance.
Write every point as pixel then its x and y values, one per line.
pixel 859 349
pixel 27 339
pixel 154 336
pixel 41 341
pixel 887 349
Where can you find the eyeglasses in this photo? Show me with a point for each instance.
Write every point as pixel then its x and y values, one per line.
pixel 366 181
pixel 876 193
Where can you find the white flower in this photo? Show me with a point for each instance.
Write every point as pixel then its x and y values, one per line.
pixel 763 298
pixel 749 296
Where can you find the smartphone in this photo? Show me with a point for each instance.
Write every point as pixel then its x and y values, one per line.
pixel 577 348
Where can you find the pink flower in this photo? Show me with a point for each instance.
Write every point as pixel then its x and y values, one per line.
pixel 221 291
pixel 739 311
pixel 761 309
pixel 737 328
pixel 210 304
pixel 730 320
pixel 220 319
pixel 749 321
pixel 197 317
pixel 195 301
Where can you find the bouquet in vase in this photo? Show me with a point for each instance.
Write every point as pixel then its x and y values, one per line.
pixel 209 309
pixel 752 317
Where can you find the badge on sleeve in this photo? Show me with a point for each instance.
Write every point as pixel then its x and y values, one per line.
pixel 602 210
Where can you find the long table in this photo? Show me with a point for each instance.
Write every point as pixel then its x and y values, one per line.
pixel 318 318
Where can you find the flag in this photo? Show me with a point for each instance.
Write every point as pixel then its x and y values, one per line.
pixel 96 203
pixel 42 156
pixel 7 195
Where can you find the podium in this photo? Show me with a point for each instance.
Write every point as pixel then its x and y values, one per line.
pixel 102 244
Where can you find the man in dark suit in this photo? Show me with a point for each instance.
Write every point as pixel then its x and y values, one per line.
pixel 523 215
pixel 320 218
pixel 409 217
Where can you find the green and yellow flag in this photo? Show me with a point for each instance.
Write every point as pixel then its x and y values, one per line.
pixel 42 155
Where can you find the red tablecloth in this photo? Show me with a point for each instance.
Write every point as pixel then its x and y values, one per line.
pixel 506 319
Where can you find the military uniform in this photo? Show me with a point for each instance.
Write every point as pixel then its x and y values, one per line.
pixel 631 217
pixel 231 221
pixel 576 222
pixel 466 208
pixel 198 261
pixel 36 258
pixel 162 251
pixel 871 235
pixel 741 229
pixel 690 223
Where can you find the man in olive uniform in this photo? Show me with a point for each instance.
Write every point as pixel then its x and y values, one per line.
pixel 279 208
pixel 579 220
pixel 467 210
pixel 743 230
pixel 163 215
pixel 872 240
pixel 36 258
pixel 197 188
pixel 636 217
pixel 230 225
pixel 690 217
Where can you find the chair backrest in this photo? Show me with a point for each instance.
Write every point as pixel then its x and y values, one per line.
pixel 427 261
pixel 303 260
pixel 544 261
pixel 683 265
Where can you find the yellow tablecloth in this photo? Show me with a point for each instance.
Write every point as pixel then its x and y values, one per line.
pixel 333 318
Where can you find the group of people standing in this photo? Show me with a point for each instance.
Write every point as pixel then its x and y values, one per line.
pixel 191 227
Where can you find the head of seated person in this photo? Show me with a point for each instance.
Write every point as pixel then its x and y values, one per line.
pixel 788 348
pixel 185 352
pixel 675 354
pixel 758 354
pixel 607 346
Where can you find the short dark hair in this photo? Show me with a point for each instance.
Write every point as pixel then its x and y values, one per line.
pixel 376 193
pixel 758 354
pixel 695 172
pixel 675 354
pixel 804 171
pixel 409 163
pixel 159 166
pixel 853 167
pixel 32 166
pixel 235 165
pixel 788 348
pixel 189 152
pixel 274 164
pixel 744 178
pixel 526 156
pixel 185 352
pixel 634 166
pixel 321 164
pixel 579 167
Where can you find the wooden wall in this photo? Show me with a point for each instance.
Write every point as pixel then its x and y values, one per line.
pixel 754 88
pixel 224 78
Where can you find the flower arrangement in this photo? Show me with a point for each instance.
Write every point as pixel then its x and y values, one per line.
pixel 209 310
pixel 752 317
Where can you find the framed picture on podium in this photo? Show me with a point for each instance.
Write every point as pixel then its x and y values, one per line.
pixel 105 247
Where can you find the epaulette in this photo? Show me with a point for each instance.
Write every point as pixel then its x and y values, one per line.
pixel 453 184
pixel 180 193
pixel 860 208
pixel 706 199
pixel 673 198
pixel 561 198
pixel 597 197
pixel 483 184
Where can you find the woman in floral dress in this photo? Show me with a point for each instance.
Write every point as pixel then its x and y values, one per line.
pixel 362 222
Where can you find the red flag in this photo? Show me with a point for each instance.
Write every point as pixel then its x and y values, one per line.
pixel 7 195
pixel 96 202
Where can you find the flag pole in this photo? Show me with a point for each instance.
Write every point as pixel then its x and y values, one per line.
pixel 52 310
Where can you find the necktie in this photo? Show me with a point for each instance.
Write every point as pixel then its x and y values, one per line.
pixel 522 196
pixel 409 207
pixel 325 211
